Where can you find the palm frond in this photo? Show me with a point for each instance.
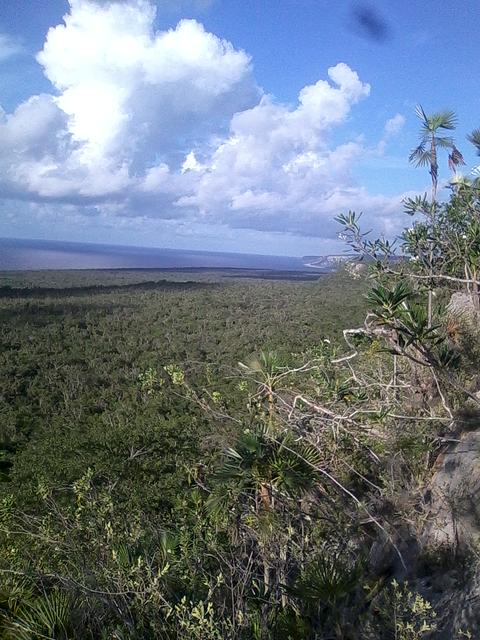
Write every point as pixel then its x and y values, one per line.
pixel 123 555
pixel 311 455
pixel 267 362
pixel 474 138
pixel 291 473
pixel 445 142
pixel 442 120
pixel 455 159
pixel 229 472
pixel 220 501
pixel 169 543
pixel 420 157
pixel 48 614
pixel 52 612
pixel 327 580
pixel 420 113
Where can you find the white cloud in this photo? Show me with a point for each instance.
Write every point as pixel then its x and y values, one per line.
pixel 276 170
pixel 191 163
pixel 125 96
pixel 125 87
pixel 171 125
pixel 394 125
pixel 392 128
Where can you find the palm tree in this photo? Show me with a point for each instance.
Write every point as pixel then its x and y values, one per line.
pixel 426 154
pixel 260 465
pixel 263 470
pixel 266 370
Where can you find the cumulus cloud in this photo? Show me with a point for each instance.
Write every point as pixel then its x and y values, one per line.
pixel 124 96
pixel 122 85
pixel 171 125
pixel 275 170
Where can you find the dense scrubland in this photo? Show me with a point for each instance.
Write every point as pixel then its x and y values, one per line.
pixel 126 380
pixel 191 456
pixel 84 362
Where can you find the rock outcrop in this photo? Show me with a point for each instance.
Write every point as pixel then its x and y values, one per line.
pixel 453 497
pixel 451 536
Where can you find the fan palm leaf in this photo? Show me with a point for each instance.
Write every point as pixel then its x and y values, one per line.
pixel 444 142
pixel 474 138
pixel 50 613
pixel 259 464
pixel 420 157
pixel 446 119
pixel 328 580
pixel 47 616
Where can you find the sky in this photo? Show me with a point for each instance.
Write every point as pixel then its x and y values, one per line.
pixel 229 125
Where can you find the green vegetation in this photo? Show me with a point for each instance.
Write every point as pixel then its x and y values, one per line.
pixel 99 430
pixel 191 456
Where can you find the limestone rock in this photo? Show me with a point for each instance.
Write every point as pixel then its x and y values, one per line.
pixel 461 308
pixel 453 497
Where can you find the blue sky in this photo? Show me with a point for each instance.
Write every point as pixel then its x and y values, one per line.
pixel 236 125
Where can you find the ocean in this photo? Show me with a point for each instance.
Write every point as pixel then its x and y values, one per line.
pixel 23 255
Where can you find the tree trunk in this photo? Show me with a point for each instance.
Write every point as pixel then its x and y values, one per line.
pixel 434 175
pixel 475 292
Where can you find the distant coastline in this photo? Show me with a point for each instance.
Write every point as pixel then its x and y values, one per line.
pixel 329 262
pixel 34 255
